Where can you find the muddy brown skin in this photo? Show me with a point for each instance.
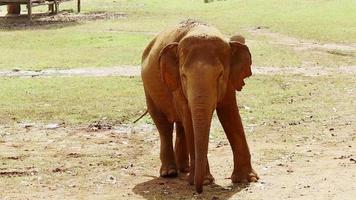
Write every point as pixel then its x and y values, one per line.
pixel 189 71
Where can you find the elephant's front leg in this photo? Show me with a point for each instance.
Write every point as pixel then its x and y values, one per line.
pixel 182 157
pixel 230 119
pixel 189 135
pixel 181 149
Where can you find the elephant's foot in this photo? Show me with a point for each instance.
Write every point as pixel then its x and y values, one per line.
pixel 183 166
pixel 169 170
pixel 209 179
pixel 190 178
pixel 244 175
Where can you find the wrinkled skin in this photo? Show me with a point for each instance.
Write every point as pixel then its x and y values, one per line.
pixel 188 72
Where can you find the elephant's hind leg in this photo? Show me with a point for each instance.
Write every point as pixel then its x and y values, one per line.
pixel 181 151
pixel 165 129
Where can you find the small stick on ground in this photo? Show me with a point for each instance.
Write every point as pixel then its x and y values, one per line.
pixel 145 113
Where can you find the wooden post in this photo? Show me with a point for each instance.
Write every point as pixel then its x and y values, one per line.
pixel 56 5
pixel 78 4
pixel 13 9
pixel 29 9
pixel 51 8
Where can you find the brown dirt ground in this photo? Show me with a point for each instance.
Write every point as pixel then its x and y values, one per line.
pixel 296 161
pixel 298 44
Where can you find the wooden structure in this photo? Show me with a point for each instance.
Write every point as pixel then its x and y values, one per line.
pixel 13 9
pixel 53 5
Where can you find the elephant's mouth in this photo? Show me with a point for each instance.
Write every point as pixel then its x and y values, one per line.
pixel 241 85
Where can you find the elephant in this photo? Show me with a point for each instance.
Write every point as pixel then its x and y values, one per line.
pixel 189 71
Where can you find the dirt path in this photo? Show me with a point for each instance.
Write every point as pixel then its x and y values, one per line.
pixel 111 71
pixel 123 163
pixel 299 44
pixel 135 71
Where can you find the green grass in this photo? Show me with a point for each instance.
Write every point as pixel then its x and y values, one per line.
pixel 321 20
pixel 283 98
pixel 265 54
pixel 63 49
pixel 120 42
pixel 71 100
pixel 297 99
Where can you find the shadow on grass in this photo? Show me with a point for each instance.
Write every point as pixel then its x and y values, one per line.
pixel 178 188
pixel 65 18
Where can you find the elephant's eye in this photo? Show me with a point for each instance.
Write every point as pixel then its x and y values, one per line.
pixel 220 75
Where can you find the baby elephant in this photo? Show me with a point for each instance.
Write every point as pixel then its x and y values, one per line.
pixel 188 71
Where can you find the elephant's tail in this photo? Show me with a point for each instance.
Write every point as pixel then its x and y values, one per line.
pixel 138 119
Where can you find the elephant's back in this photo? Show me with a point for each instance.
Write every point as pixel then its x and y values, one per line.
pixel 154 87
pixel 150 56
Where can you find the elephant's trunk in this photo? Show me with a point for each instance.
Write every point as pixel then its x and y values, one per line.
pixel 202 98
pixel 201 118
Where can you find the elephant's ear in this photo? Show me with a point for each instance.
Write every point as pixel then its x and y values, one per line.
pixel 240 62
pixel 238 38
pixel 168 61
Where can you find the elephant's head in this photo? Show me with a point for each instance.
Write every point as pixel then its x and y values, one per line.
pixel 204 67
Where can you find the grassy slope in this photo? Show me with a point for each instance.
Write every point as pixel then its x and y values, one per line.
pixel 111 42
pixel 286 98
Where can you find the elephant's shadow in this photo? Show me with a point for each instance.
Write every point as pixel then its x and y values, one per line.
pixel 178 188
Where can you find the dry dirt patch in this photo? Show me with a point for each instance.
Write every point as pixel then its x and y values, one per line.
pixel 299 44
pixel 63 18
pixel 136 71
pixel 123 163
